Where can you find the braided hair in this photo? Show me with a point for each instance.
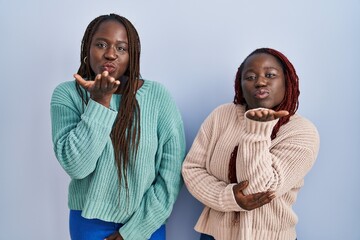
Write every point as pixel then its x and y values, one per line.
pixel 125 134
pixel 290 102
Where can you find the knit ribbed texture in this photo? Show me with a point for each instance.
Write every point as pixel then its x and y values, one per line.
pixel 278 165
pixel 83 147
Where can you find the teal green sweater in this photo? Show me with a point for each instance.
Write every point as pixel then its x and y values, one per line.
pixel 83 147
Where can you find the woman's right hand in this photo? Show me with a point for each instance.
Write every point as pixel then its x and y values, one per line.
pixel 251 201
pixel 101 88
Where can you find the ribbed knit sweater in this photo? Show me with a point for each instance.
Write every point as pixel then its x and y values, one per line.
pixel 83 147
pixel 278 165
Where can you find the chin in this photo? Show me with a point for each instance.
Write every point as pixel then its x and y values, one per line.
pixel 253 106
pixel 265 105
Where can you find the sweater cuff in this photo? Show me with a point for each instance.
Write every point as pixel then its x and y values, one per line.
pixel 98 113
pixel 228 199
pixel 262 129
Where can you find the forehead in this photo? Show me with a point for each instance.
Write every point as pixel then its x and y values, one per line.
pixel 262 60
pixel 111 29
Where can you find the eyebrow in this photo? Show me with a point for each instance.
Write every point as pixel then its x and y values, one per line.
pixel 266 68
pixel 104 39
pixel 272 68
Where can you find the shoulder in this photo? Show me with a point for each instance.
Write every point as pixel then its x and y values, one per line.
pixel 226 111
pixel 65 88
pixel 65 92
pixel 300 123
pixel 225 107
pixel 156 88
pixel 301 131
pixel 221 117
pixel 157 93
pixel 159 101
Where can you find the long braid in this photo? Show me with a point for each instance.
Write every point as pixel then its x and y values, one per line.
pixel 126 131
pixel 292 92
pixel 125 134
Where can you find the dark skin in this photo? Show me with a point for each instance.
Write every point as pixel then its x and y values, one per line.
pixel 251 201
pixel 263 84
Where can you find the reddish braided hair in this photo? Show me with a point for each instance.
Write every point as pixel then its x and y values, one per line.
pixel 290 102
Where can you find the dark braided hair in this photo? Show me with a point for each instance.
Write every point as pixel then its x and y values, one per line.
pixel 290 102
pixel 125 134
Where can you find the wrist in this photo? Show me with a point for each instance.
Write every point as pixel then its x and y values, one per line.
pixel 103 101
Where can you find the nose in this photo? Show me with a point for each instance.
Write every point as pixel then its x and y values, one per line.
pixel 111 53
pixel 261 81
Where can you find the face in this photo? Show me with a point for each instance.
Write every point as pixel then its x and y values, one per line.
pixel 109 49
pixel 263 81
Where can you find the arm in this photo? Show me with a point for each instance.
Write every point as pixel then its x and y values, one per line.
pixel 280 164
pixel 78 138
pixel 211 191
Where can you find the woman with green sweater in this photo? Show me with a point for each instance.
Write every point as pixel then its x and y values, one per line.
pixel 249 158
pixel 119 137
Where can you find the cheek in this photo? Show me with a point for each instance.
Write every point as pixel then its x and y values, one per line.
pixel 93 58
pixel 93 66
pixel 245 89
pixel 281 91
pixel 125 63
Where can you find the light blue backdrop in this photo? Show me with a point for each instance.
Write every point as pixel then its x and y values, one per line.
pixel 194 49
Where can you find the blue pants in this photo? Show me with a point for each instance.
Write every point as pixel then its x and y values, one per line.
pixel 95 229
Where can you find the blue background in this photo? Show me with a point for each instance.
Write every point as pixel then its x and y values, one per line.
pixel 194 49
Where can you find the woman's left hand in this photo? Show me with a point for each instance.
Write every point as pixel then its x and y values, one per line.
pixel 251 201
pixel 115 236
pixel 264 115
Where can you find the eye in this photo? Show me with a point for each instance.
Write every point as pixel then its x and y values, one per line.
pixel 250 77
pixel 270 75
pixel 121 48
pixel 101 44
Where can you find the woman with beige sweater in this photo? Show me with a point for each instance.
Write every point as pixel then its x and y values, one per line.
pixel 249 158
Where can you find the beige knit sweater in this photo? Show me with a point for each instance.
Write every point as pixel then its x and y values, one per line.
pixel 278 165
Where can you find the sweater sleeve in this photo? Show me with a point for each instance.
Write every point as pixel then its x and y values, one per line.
pixel 211 191
pixel 279 165
pixel 78 138
pixel 158 201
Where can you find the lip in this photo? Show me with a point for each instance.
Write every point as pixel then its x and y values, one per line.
pixel 261 93
pixel 110 67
